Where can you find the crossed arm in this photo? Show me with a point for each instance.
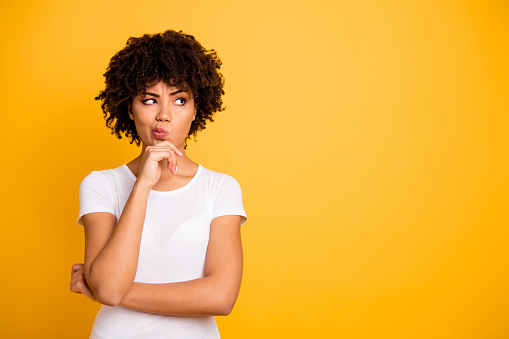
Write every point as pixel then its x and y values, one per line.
pixel 214 294
pixel 111 259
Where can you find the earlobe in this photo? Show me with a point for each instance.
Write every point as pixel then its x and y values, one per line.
pixel 194 115
pixel 130 110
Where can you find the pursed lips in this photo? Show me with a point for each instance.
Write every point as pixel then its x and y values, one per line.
pixel 160 132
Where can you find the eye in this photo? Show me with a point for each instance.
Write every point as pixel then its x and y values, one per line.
pixel 180 101
pixel 149 101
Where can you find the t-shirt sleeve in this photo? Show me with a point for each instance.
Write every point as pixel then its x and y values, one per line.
pixel 94 196
pixel 228 200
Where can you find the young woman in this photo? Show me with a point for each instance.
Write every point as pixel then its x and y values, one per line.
pixel 163 250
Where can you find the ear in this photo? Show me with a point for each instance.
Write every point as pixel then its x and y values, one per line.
pixel 194 115
pixel 130 109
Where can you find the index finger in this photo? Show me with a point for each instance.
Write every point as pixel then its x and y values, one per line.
pixel 166 143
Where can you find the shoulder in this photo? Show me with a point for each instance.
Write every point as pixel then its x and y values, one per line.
pixel 218 180
pixel 221 186
pixel 98 192
pixel 105 176
pixel 226 195
pixel 106 179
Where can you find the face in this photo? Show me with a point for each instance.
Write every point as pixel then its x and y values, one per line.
pixel 164 112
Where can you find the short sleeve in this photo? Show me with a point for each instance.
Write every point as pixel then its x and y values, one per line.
pixel 228 199
pixel 94 196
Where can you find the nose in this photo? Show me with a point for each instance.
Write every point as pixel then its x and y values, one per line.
pixel 164 114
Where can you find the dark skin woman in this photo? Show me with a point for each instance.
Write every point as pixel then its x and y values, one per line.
pixel 163 250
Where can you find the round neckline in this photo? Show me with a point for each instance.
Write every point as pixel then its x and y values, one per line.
pixel 180 189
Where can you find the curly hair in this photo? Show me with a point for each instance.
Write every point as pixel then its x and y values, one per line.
pixel 172 57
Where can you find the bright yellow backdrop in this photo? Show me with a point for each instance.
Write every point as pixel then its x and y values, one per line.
pixel 370 139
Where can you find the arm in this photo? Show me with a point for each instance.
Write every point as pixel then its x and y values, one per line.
pixel 111 248
pixel 214 294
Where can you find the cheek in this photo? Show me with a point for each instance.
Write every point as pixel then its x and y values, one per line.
pixel 140 125
pixel 184 126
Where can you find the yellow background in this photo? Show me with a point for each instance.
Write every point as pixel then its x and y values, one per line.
pixel 370 139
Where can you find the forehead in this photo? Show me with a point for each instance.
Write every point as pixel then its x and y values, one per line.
pixel 162 86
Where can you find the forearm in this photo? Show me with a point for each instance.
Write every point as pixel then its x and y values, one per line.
pixel 113 270
pixel 200 297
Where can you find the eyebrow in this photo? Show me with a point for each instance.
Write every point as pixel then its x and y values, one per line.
pixel 157 95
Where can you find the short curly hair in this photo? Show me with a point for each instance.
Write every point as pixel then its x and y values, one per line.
pixel 173 57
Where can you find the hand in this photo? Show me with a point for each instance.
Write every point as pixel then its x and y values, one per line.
pixel 150 165
pixel 78 282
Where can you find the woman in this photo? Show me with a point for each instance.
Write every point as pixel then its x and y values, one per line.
pixel 163 250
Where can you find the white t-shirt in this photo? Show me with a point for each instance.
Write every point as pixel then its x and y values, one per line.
pixel 173 244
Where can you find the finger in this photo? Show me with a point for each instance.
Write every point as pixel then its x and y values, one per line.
pixel 82 286
pixel 78 283
pixel 74 278
pixel 169 145
pixel 76 267
pixel 77 274
pixel 174 163
pixel 75 288
pixel 169 161
pixel 178 152
pixel 168 154
pixel 161 154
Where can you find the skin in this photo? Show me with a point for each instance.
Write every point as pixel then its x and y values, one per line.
pixel 112 248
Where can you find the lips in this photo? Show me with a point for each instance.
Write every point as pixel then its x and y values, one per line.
pixel 160 133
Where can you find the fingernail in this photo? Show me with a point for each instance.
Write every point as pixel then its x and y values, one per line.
pixel 181 153
pixel 176 169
